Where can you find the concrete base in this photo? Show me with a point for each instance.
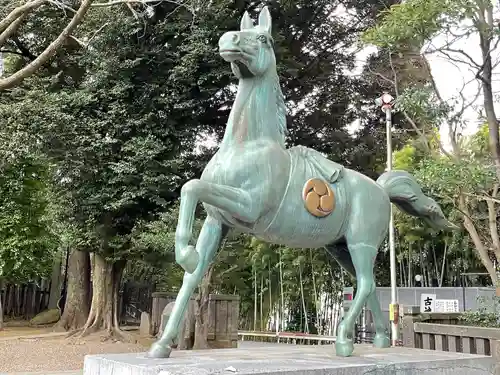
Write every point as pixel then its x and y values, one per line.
pixel 282 359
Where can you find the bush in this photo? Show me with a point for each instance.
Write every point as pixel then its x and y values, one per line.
pixel 487 314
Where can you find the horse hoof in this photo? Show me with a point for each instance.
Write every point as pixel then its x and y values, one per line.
pixel 344 348
pixel 158 350
pixel 189 259
pixel 381 341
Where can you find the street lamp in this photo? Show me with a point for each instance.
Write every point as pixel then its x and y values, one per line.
pixel 386 102
pixel 418 280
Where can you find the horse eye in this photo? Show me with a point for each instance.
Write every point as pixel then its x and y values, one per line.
pixel 262 38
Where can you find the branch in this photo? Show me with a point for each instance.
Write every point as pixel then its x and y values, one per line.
pixel 12 52
pixel 11 29
pixel 380 75
pixel 471 62
pixel 476 239
pixel 117 2
pixel 484 197
pixel 61 5
pixel 86 44
pixel 21 47
pixel 230 269
pixel 406 116
pixel 433 81
pixel 32 67
pixel 18 12
pixel 134 13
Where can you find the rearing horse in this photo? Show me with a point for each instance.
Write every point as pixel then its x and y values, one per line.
pixel 294 197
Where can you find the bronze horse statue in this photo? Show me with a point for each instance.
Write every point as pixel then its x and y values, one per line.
pixel 294 197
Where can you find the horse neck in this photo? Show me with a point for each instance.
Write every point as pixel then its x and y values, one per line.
pixel 258 112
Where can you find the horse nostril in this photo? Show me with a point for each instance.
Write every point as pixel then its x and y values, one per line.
pixel 236 38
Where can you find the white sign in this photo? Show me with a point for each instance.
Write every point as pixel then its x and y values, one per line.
pixel 446 305
pixel 427 303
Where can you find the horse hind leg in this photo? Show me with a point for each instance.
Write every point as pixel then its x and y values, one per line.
pixel 341 254
pixel 362 257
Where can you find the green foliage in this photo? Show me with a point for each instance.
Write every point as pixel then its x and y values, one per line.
pixel 446 179
pixel 487 314
pixel 416 21
pixel 26 242
pixel 478 144
pixel 422 104
pixel 404 158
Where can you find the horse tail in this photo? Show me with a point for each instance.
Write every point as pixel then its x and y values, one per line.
pixel 404 191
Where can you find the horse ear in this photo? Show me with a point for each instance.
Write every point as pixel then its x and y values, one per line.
pixel 265 20
pixel 246 22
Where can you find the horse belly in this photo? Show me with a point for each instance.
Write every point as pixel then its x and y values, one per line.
pixel 293 225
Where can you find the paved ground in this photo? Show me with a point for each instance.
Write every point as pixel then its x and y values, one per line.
pixel 55 354
pixel 78 372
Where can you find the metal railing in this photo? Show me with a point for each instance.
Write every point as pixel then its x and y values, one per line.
pixel 297 338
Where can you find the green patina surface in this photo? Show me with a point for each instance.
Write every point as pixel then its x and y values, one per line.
pixel 255 184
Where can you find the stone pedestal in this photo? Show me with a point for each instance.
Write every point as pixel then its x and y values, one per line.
pixel 281 359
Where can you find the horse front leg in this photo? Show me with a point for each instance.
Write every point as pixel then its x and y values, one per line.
pixel 235 201
pixel 208 242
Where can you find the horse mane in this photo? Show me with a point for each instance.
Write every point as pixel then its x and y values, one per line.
pixel 280 105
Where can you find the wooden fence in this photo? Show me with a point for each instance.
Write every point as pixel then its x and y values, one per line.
pixel 135 298
pixel 24 301
pixel 441 331
pixel 223 317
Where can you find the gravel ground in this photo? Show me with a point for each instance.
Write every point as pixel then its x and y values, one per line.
pixel 55 354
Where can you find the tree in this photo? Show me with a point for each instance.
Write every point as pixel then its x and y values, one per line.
pixel 423 20
pixel 78 275
pixel 26 242
pixel 437 257
pixel 12 22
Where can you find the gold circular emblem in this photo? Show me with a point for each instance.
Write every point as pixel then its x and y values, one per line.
pixel 318 197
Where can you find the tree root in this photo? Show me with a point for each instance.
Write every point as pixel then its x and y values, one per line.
pixel 114 334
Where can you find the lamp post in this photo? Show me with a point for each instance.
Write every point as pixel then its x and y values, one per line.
pixel 386 102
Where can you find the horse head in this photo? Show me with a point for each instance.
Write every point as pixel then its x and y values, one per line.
pixel 250 50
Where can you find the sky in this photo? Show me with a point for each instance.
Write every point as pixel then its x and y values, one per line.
pixel 457 80
pixel 453 78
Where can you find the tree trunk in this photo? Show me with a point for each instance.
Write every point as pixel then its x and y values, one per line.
pixel 201 313
pixel 262 301
pixel 422 271
pixel 476 239
pixel 77 305
pixel 401 274
pixel 410 263
pixel 270 292
pixel 493 224
pixel 306 320
pixel 436 267
pixel 1 306
pixel 486 28
pixel 106 278
pixel 282 321
pixel 443 264
pixel 55 283
pixel 316 304
pixel 255 298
